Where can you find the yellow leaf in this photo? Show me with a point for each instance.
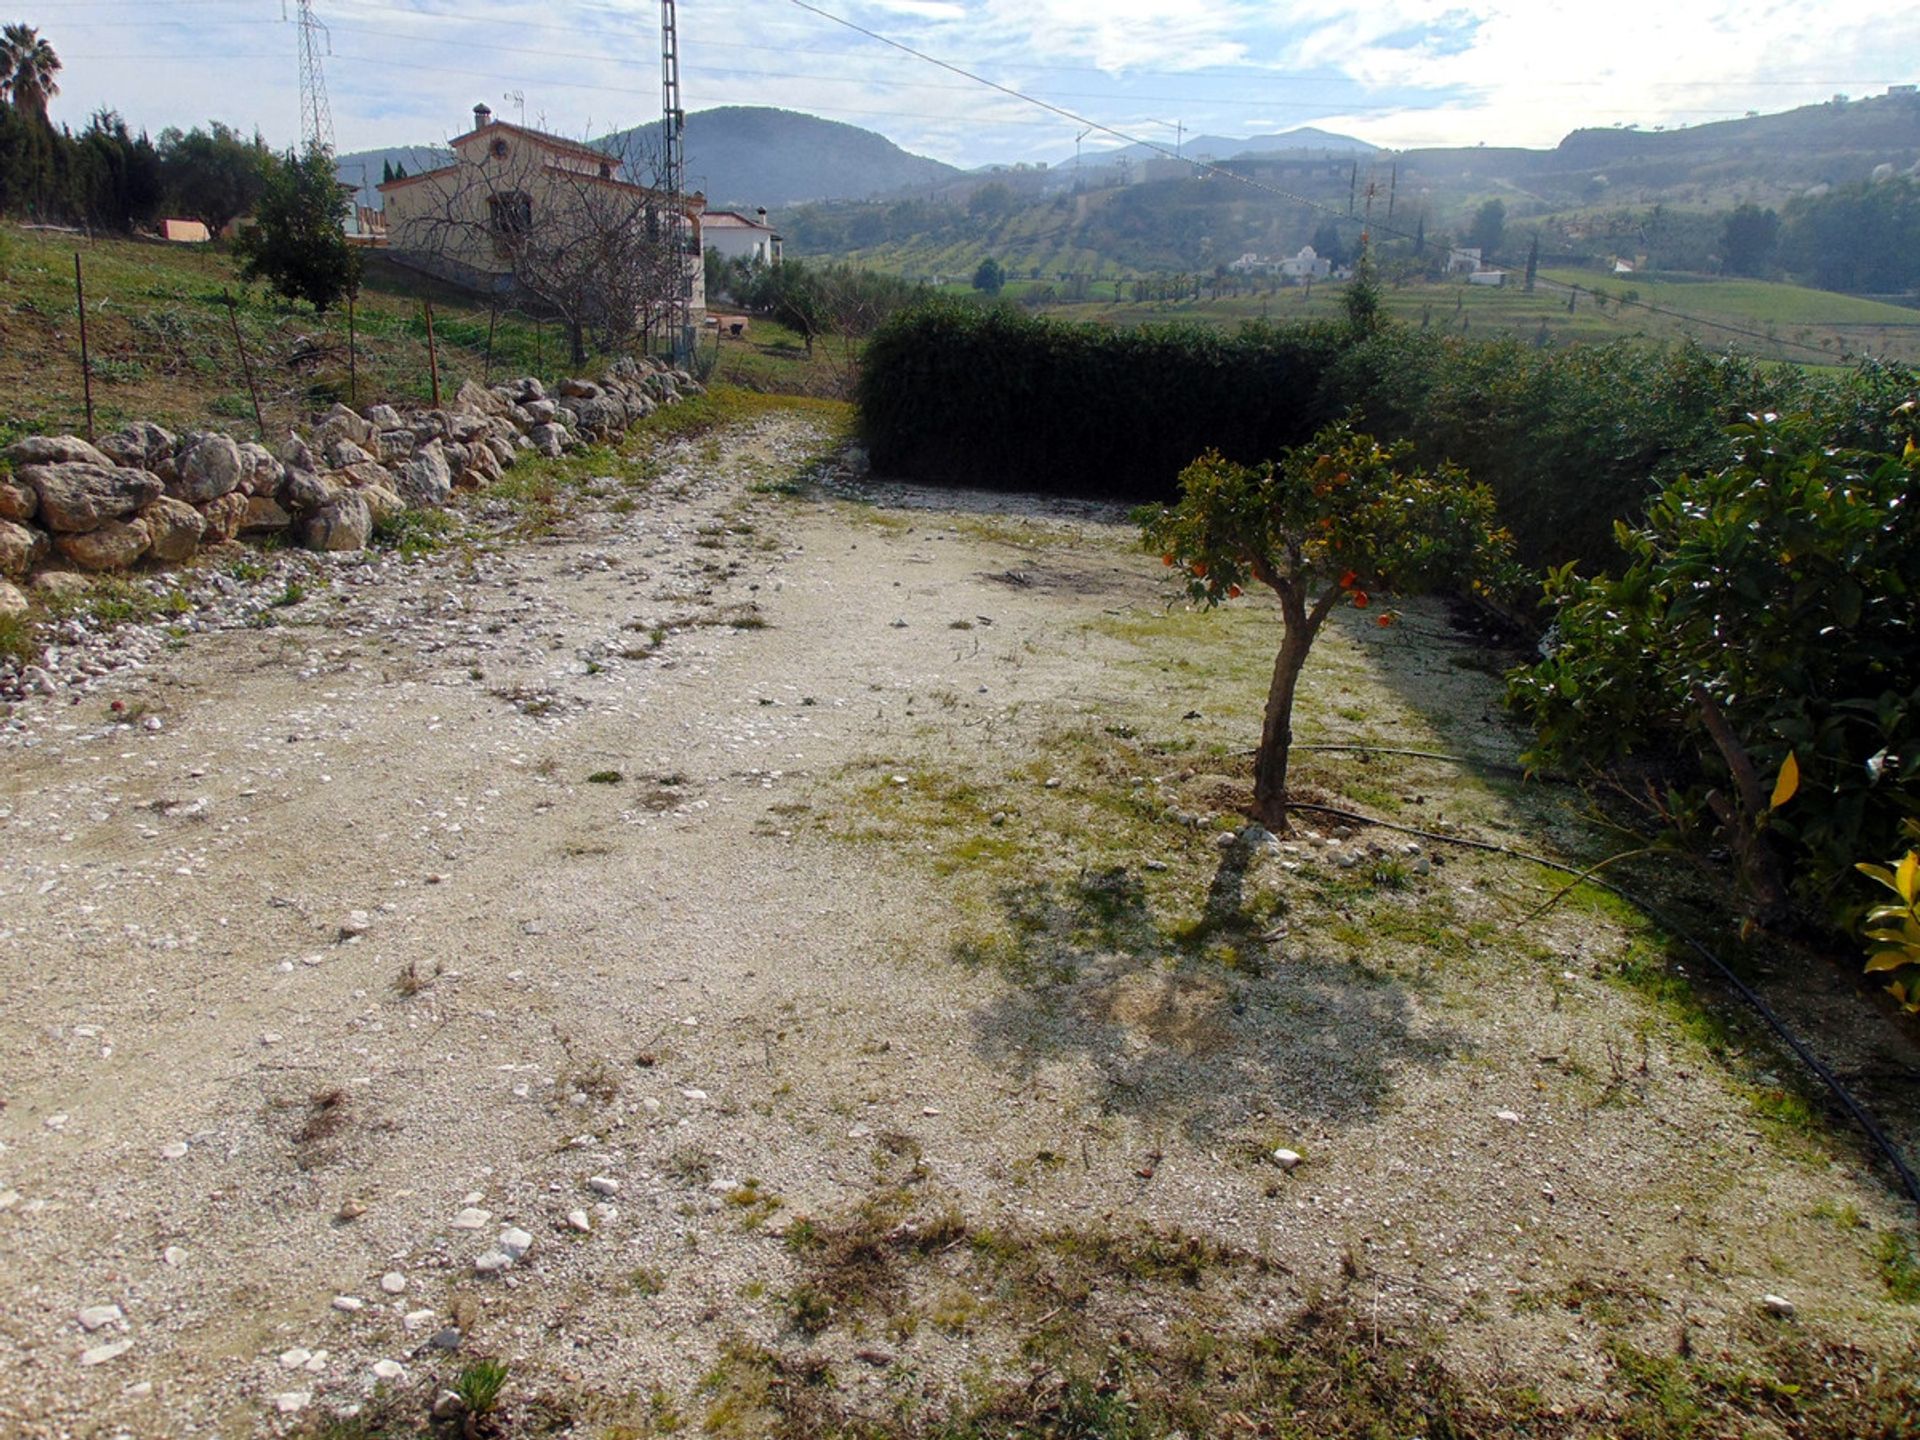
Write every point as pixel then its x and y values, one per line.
pixel 1906 879
pixel 1888 960
pixel 1911 450
pixel 1788 782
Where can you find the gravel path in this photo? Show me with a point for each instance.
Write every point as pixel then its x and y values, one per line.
pixel 488 955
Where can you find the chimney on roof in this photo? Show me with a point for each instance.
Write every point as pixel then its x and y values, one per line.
pixel 761 214
pixel 482 116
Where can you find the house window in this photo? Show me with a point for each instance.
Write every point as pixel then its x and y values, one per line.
pixel 509 216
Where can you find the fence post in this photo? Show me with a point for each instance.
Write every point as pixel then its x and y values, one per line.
pixel 493 319
pixel 433 354
pixel 246 365
pixel 86 359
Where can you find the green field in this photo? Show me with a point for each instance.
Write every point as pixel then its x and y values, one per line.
pixel 1783 322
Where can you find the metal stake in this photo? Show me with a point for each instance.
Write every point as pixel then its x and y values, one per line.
pixel 433 354
pixel 353 368
pixel 86 359
pixel 246 365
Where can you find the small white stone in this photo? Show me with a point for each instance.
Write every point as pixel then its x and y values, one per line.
pixel 606 1214
pixel 1507 1117
pixel 292 1402
pixel 514 1242
pixel 929 1110
pixel 859 1132
pixel 358 922
pixel 471 1219
pixel 1423 866
pixel 100 1354
pixel 899 779
pixel 492 1262
pixel 393 1282
pixel 9 1199
pixel 604 1185
pixel 389 1369
pixel 271 1037
pixel 650 1105
pixel 1777 1305
pixel 95 1317
pixel 175 1151
pixel 1286 1159
pixel 417 1319
pixel 349 1303
pixel 293 1359
pixel 173 1257
pixel 139 1391
pixel 317 1364
pixel 577 1219
pixel 693 1094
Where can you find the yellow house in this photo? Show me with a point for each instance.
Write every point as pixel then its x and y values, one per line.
pixel 521 209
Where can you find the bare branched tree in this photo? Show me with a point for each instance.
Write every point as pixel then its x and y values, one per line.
pixel 557 223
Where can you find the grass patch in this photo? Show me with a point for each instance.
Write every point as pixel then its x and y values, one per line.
pixel 19 640
pixel 1899 1268
pixel 412 533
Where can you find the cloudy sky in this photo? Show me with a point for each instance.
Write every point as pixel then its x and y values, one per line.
pixel 1399 73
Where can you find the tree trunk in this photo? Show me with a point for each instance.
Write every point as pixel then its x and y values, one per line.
pixel 578 332
pixel 1276 734
pixel 1741 818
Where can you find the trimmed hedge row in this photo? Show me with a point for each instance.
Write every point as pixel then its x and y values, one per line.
pixel 1568 440
pixel 989 396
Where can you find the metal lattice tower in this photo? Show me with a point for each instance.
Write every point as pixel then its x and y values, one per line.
pixel 673 154
pixel 316 116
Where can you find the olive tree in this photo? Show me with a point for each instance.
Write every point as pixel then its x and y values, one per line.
pixel 1342 520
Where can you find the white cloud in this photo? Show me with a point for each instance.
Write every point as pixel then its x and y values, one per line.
pixel 1398 72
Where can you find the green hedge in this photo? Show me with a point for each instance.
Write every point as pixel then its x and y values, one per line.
pixel 957 393
pixel 1569 440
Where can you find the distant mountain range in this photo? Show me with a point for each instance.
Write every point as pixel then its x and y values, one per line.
pixel 745 156
pixel 1226 147
pixel 739 155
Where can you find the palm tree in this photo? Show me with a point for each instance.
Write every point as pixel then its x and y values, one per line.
pixel 27 68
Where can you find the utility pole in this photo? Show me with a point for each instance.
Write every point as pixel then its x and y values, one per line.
pixel 316 116
pixel 1076 155
pixel 673 135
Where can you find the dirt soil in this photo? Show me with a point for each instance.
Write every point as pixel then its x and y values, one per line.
pixel 736 866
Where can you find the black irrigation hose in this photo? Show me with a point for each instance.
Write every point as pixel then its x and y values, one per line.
pixel 1497 766
pixel 1853 1107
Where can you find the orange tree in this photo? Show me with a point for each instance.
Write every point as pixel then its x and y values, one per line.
pixel 1342 520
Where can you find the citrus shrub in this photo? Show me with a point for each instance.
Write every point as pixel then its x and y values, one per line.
pixel 1763 621
pixel 1894 929
pixel 1341 520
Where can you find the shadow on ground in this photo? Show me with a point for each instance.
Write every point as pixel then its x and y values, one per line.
pixel 1199 1025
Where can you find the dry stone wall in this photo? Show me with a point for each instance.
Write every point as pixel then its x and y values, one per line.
pixel 145 495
